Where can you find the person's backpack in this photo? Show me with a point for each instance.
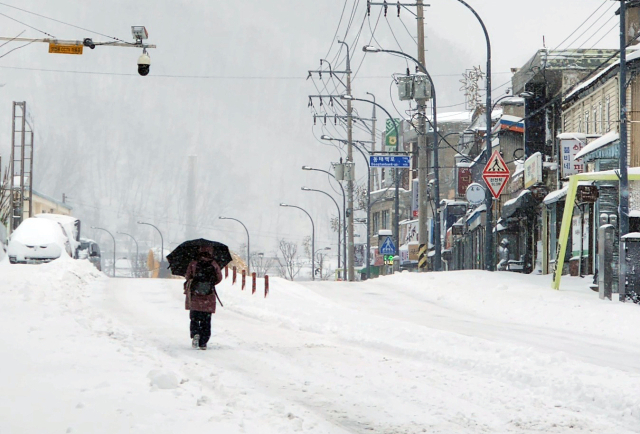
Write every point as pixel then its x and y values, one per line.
pixel 203 279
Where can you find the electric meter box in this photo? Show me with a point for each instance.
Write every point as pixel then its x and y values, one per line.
pixel 405 88
pixel 421 87
pixel 338 169
pixel 349 171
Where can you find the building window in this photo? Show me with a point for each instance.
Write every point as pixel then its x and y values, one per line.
pixel 385 220
pixel 376 222
pixel 600 119
pixel 586 122
pixel 608 108
pixel 595 120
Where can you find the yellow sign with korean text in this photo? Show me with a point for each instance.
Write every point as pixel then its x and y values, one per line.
pixel 64 49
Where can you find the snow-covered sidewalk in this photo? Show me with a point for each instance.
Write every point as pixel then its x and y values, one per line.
pixel 457 352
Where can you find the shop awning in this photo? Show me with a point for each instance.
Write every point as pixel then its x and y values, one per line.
pixel 523 202
pixel 558 195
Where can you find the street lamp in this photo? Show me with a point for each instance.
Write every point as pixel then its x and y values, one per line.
pixel 137 252
pixel 344 219
pixel 114 247
pixel 325 137
pixel 313 240
pixel 422 162
pixel 248 241
pixel 161 271
pixel 397 177
pixel 339 220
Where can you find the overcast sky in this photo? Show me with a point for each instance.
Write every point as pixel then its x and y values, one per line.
pixel 227 84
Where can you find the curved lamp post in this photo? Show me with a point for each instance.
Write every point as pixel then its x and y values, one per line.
pixel 114 247
pixel 313 238
pixel 137 252
pixel 344 218
pixel 436 173
pixel 161 271
pixel 337 207
pixel 397 180
pixel 325 137
pixel 248 241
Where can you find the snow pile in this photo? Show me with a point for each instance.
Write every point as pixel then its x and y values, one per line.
pixel 461 352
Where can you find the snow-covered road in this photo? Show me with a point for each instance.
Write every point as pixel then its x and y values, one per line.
pixel 463 352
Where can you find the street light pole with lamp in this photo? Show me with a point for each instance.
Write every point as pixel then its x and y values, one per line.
pixel 161 271
pixel 137 251
pixel 397 177
pixel 422 164
pixel 339 220
pixel 344 219
pixel 313 238
pixel 248 242
pixel 114 247
pixel 325 137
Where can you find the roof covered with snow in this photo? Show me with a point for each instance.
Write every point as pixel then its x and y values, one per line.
pixel 603 141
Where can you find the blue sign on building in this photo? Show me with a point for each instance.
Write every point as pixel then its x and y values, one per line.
pixel 388 248
pixel 390 161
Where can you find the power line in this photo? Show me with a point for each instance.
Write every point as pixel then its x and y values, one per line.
pixel 17 48
pixel 62 22
pixel 25 24
pixel 578 28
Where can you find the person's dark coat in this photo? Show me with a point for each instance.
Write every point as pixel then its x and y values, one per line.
pixel 197 302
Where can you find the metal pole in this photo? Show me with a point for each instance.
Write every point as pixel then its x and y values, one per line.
pixel 313 238
pixel 344 207
pixel 248 241
pixel 349 212
pixel 114 248
pixel 338 208
pixel 488 240
pixel 624 177
pixel 137 251
pixel 369 188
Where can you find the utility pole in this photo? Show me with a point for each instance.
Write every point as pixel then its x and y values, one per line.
pixel 423 199
pixel 370 187
pixel 624 176
pixel 350 250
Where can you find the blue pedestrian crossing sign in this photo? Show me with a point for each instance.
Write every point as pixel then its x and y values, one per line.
pixel 388 248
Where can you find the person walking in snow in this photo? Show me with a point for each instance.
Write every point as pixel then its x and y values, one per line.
pixel 203 274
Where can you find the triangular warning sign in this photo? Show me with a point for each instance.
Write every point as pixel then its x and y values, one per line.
pixel 496 183
pixel 496 165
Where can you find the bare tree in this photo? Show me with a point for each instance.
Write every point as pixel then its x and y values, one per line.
pixel 323 267
pixel 288 265
pixel 5 198
pixel 261 264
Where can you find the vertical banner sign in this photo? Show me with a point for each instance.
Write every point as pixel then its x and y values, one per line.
pixel 464 180
pixel 415 199
pixel 569 148
pixel 244 278
pixel 533 170
pixel 391 138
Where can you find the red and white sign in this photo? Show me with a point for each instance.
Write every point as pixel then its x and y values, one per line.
pixel 496 174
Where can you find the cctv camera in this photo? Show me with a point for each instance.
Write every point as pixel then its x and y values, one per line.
pixel 144 64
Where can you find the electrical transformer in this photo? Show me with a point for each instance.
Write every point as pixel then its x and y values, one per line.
pixel 405 88
pixel 421 87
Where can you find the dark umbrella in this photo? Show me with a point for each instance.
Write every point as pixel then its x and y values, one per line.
pixel 188 251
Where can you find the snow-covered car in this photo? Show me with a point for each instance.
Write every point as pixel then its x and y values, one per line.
pixel 36 241
pixel 90 250
pixel 70 226
pixel 123 268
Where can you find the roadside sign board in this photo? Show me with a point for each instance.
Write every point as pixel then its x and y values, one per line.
pixel 390 161
pixel 388 247
pixel 475 194
pixel 64 48
pixel 496 174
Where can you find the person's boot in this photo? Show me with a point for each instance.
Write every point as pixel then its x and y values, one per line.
pixel 203 347
pixel 195 342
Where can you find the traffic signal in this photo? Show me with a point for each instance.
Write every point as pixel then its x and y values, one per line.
pixel 388 259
